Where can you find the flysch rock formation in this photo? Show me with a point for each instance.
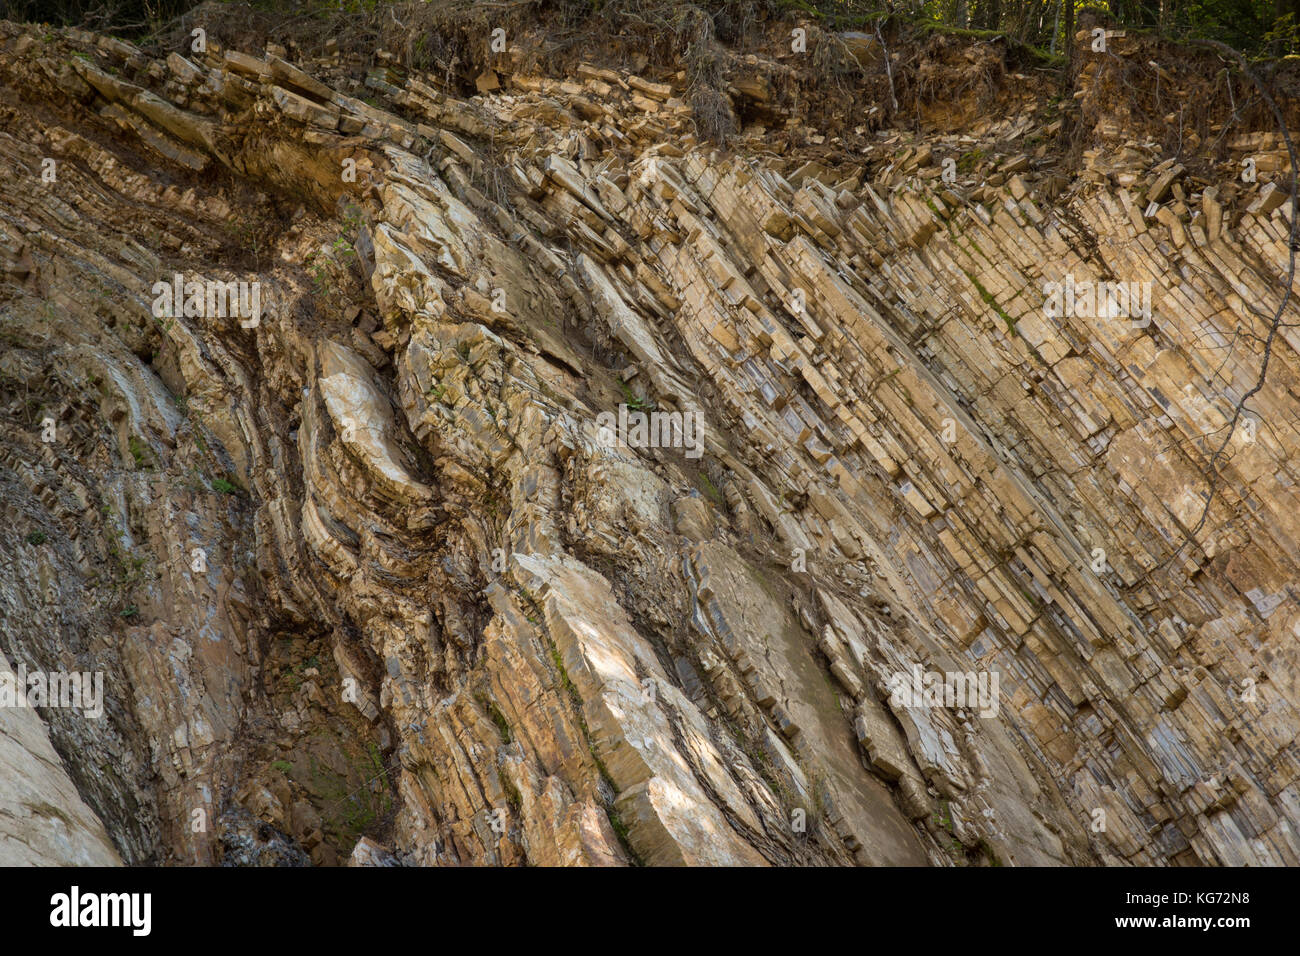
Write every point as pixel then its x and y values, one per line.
pixel 368 583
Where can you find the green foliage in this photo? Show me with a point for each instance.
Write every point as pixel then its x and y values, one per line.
pixel 1259 28
pixel 498 718
pixel 243 233
pixel 129 572
pixel 36 538
pixel 134 17
pixel 350 810
pixel 1256 27
pixel 569 688
pixel 621 831
pixel 969 161
pixel 141 452
pixel 318 265
pixel 989 854
pixel 1284 38
pixel 514 799
pixel 224 486
pixel 710 489
pixel 993 303
pixel 634 403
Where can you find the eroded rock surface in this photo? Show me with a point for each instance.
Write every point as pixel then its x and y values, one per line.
pixel 367 569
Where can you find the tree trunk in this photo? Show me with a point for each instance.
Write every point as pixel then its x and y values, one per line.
pixel 1069 45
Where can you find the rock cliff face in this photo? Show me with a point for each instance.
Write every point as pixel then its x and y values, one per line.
pixel 369 578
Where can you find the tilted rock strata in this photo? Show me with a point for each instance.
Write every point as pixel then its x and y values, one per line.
pixel 437 607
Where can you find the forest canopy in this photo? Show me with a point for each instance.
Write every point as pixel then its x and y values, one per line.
pixel 1259 28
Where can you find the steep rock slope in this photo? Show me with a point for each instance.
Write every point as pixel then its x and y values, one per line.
pixel 368 565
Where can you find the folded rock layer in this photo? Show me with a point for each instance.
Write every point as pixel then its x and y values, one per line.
pixel 366 570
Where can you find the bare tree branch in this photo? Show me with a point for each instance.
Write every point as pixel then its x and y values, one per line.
pixel 1276 324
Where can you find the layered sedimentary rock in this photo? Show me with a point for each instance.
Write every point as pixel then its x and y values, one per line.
pixel 367 579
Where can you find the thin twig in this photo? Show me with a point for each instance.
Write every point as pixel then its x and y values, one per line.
pixel 889 69
pixel 1276 323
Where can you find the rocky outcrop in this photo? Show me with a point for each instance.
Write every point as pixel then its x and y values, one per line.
pixel 368 564
pixel 45 822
